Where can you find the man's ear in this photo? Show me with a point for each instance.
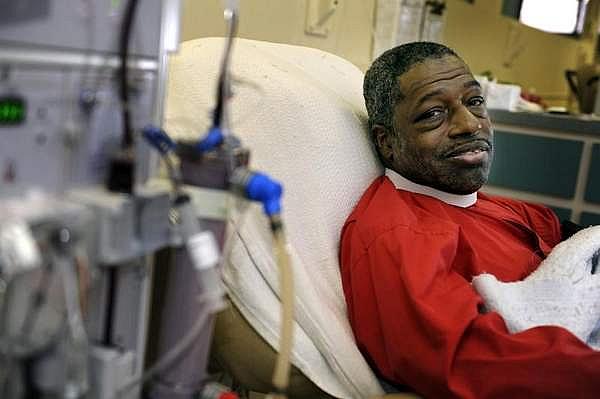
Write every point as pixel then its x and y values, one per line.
pixel 383 140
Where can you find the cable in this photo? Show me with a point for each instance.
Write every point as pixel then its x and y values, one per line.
pixel 217 134
pixel 160 140
pixel 124 39
pixel 121 169
pixel 174 174
pixel 223 87
pixel 84 281
pixel 174 353
pixel 281 374
pixel 260 187
pixel 76 349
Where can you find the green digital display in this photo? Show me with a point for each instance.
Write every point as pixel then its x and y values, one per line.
pixel 12 111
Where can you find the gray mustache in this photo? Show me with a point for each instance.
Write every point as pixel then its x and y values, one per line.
pixel 471 145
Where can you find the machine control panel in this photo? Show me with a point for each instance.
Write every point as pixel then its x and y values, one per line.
pixel 13 110
pixel 46 126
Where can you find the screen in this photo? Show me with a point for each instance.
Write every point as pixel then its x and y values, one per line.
pixel 556 16
pixel 12 110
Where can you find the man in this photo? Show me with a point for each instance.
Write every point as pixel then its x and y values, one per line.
pixel 420 234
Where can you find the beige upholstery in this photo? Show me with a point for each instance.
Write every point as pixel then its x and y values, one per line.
pixel 238 350
pixel 301 113
pixel 249 359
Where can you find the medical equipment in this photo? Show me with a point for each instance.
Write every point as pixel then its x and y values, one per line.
pixel 87 300
pixel 219 162
pixel 80 219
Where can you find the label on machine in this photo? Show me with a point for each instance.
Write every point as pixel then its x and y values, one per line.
pixel 203 250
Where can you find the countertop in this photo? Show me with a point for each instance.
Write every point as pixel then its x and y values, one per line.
pixel 583 124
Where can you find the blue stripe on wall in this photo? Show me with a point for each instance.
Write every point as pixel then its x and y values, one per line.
pixel 536 164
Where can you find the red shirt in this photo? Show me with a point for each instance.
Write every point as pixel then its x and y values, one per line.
pixel 407 261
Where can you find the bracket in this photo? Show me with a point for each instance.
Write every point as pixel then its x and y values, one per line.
pixel 319 15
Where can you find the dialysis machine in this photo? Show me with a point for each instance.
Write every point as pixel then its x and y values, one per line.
pixel 82 84
pixel 74 257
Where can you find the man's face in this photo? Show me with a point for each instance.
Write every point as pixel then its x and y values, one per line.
pixel 442 136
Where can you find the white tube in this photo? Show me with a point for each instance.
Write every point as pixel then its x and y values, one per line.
pixel 281 374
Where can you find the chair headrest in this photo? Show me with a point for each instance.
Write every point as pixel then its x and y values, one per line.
pixel 301 113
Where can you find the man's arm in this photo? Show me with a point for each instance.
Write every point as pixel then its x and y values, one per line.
pixel 545 221
pixel 418 322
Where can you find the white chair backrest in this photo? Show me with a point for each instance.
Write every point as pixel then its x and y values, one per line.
pixel 301 112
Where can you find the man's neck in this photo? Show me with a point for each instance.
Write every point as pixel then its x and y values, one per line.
pixel 402 183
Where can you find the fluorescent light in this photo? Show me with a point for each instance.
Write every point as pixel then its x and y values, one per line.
pixel 556 16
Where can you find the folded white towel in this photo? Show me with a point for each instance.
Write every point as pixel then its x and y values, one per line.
pixel 561 292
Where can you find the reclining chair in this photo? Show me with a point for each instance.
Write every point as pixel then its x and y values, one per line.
pixel 301 113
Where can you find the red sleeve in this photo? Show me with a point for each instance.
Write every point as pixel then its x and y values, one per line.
pixel 417 321
pixel 540 218
pixel 544 221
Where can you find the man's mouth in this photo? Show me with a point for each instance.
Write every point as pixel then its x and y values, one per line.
pixel 472 153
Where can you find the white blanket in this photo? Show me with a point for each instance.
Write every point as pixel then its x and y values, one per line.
pixel 561 292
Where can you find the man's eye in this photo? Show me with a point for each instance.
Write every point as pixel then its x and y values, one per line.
pixel 476 101
pixel 432 114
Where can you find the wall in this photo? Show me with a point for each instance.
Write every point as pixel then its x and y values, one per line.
pixel 486 39
pixel 514 52
pixel 283 21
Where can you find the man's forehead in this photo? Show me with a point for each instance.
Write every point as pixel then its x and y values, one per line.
pixel 431 71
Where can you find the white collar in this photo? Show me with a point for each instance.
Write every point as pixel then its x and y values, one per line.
pixel 402 183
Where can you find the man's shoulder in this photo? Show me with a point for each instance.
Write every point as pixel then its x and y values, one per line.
pixel 540 218
pixel 383 208
pixel 521 207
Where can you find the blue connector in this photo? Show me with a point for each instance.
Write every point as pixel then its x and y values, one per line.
pixel 213 139
pixel 262 188
pixel 159 139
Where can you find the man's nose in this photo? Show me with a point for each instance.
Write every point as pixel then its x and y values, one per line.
pixel 463 122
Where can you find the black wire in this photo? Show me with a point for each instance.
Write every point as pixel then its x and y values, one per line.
pixel 223 85
pixel 124 39
pixel 110 306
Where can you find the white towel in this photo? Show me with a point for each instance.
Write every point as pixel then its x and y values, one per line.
pixel 561 292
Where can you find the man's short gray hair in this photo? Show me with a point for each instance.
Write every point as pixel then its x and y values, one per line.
pixel 381 89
